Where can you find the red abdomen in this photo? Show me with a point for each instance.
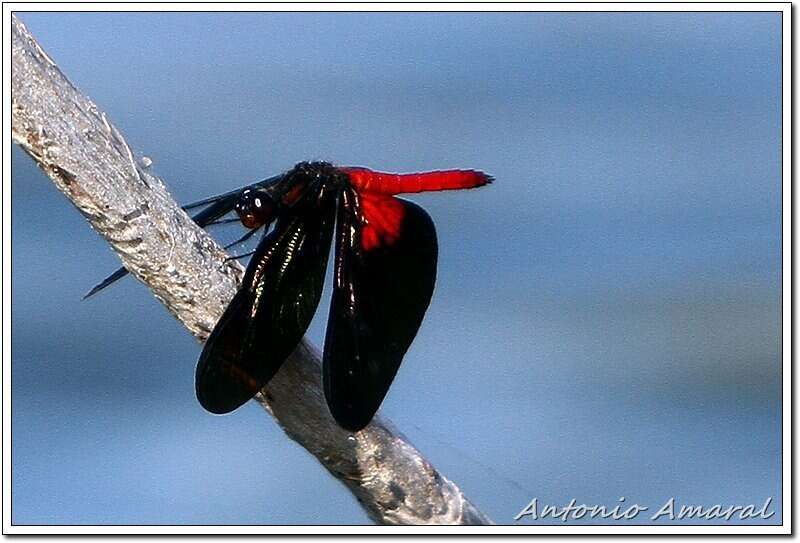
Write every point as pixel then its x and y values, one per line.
pixel 368 181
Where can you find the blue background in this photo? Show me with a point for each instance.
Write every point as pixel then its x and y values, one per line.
pixel 607 318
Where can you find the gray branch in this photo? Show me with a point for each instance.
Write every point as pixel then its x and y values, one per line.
pixel 87 158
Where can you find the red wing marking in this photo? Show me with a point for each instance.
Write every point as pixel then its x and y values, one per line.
pixel 294 193
pixel 382 220
pixel 365 180
pixel 241 376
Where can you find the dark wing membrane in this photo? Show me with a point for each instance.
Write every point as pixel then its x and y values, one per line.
pixel 230 196
pixel 379 299
pixel 272 309
pixel 217 207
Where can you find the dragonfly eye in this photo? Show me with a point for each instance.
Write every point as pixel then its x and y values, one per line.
pixel 255 208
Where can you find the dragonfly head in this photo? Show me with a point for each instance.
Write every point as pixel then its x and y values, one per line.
pixel 255 208
pixel 260 204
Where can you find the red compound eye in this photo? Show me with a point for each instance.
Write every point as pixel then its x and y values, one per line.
pixel 249 220
pixel 255 209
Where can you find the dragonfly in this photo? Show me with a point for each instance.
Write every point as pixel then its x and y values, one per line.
pixel 384 271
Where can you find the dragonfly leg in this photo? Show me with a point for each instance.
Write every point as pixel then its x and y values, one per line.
pixel 247 235
pixel 224 221
pixel 237 257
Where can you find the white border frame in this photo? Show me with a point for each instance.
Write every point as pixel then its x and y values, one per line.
pixel 784 8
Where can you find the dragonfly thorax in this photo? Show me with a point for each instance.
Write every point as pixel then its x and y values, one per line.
pixel 311 173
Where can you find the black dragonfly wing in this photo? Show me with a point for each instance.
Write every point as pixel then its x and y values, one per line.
pixel 273 308
pixel 217 207
pixel 379 299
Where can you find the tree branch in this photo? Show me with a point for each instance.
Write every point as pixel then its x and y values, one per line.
pixel 90 162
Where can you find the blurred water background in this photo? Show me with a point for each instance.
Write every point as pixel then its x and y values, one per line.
pixel 607 318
